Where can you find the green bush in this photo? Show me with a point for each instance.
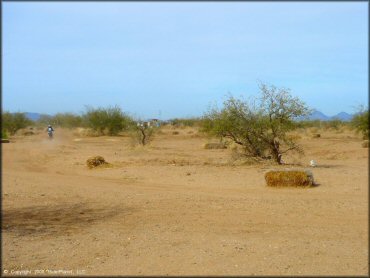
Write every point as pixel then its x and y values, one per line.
pixel 190 122
pixel 333 124
pixel 309 123
pixel 109 120
pixel 361 122
pixel 259 126
pixel 68 120
pixel 142 133
pixel 4 134
pixel 12 122
pixel 45 120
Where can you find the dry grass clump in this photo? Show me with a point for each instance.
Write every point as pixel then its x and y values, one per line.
pixel 365 144
pixel 96 161
pixel 213 146
pixel 287 178
pixel 4 140
pixel 316 135
pixel 85 132
pixel 175 133
pixel 294 137
pixel 313 129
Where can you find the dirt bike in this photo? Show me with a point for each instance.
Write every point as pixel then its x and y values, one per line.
pixel 50 133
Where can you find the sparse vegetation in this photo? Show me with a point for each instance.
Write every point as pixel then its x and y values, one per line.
pixel 259 126
pixel 309 123
pixel 67 120
pixel 333 124
pixel 45 120
pixel 183 122
pixel 108 121
pixel 361 122
pixel 142 133
pixel 211 146
pixel 12 122
pixel 4 134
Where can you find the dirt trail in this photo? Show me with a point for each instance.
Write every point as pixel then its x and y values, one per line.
pixel 175 208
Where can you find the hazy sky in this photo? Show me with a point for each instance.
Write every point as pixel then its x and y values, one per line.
pixel 157 59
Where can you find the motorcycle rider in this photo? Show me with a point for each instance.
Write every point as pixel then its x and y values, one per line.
pixel 50 131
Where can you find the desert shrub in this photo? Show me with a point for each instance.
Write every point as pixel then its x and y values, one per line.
pixel 95 161
pixel 261 126
pixel 294 137
pixel 142 133
pixel 45 120
pixel 308 124
pixel 182 122
pixel 67 120
pixel 360 122
pixel 12 122
pixel 211 146
pixel 109 120
pixel 4 134
pixel 333 124
pixel 289 178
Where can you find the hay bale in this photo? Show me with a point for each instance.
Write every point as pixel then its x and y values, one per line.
pixel 316 135
pixel 212 146
pixel 290 177
pixel 365 144
pixel 95 161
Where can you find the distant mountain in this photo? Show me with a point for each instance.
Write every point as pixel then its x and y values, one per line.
pixel 343 116
pixel 317 115
pixel 34 116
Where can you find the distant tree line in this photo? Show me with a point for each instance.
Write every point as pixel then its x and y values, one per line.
pixel 259 125
pixel 105 121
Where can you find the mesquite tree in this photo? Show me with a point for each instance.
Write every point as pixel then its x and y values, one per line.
pixel 260 125
pixel 144 132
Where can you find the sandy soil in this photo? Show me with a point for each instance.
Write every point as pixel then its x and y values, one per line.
pixel 175 208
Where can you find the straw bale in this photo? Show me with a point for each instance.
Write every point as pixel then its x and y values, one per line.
pixel 290 177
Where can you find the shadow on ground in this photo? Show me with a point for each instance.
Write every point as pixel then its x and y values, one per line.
pixel 57 220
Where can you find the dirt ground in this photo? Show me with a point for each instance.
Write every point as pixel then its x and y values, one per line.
pixel 176 208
